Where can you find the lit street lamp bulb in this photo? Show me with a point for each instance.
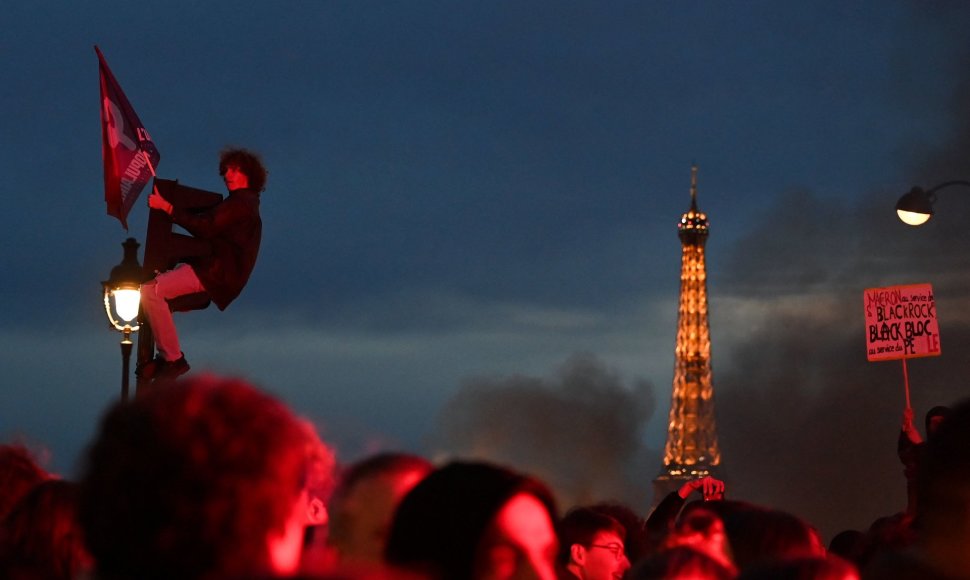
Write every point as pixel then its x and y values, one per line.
pixel 913 218
pixel 126 303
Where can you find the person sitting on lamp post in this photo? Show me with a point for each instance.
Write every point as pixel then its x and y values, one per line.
pixel 233 229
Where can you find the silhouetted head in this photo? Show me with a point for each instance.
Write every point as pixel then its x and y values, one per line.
pixel 758 534
pixel 943 481
pixel 41 536
pixel 364 502
pixel 803 568
pixel 465 520
pixel 246 161
pixel 934 418
pixel 19 473
pixel 204 476
pixel 702 529
pixel 849 545
pixel 680 563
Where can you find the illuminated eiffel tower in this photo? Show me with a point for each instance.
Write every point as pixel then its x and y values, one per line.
pixel 692 450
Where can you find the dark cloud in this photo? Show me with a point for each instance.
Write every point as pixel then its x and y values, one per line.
pixel 580 431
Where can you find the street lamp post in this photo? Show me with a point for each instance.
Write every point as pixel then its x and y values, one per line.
pixel 122 294
pixel 916 207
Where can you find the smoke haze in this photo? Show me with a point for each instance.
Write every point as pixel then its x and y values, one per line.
pixel 580 430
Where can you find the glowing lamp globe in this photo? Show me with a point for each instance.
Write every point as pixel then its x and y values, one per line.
pixel 913 218
pixel 126 303
pixel 915 208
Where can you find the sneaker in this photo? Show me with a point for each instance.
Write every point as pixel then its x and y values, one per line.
pixel 150 369
pixel 171 370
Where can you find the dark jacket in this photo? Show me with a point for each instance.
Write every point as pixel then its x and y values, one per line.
pixel 234 229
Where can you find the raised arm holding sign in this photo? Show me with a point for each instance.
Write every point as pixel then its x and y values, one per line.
pixel 901 324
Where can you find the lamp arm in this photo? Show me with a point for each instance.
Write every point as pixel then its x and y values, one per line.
pixel 933 190
pixel 107 311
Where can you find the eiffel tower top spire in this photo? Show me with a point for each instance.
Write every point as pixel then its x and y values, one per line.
pixel 693 226
pixel 693 187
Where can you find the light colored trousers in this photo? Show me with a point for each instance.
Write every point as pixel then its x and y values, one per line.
pixel 154 296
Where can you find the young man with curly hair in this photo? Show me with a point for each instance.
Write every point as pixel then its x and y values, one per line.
pixel 233 229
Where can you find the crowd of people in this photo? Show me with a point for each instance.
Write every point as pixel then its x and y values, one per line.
pixel 208 477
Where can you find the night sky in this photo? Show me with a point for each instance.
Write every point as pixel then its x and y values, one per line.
pixel 469 228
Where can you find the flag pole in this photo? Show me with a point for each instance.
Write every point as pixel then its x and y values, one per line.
pixel 906 383
pixel 148 161
pixel 146 339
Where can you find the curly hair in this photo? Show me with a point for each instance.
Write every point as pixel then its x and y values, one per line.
pixel 248 162
pixel 42 537
pixel 19 473
pixel 188 480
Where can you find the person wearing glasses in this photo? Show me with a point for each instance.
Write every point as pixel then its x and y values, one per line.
pixel 591 546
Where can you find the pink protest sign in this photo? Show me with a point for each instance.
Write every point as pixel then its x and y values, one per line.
pixel 901 322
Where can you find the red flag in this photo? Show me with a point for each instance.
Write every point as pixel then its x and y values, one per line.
pixel 129 155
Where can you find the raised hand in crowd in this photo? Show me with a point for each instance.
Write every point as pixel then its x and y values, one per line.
pixel 909 428
pixel 711 489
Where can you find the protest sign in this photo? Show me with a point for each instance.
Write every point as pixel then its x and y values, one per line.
pixel 901 322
